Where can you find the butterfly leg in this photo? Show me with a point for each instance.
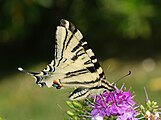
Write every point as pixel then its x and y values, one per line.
pixel 99 83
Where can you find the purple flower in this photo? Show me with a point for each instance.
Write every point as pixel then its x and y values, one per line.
pixel 117 103
pixel 97 117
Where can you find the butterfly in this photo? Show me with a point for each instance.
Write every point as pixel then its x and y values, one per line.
pixel 74 65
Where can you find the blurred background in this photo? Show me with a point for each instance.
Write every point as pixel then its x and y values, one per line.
pixel 125 35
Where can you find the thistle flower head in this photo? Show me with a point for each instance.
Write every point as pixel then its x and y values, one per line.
pixel 118 103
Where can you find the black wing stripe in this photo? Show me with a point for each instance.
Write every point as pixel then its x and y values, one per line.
pixel 65 39
pixel 45 72
pixel 79 93
pixel 82 83
pixel 91 69
pixel 88 62
pixel 52 66
pixel 82 41
pixel 51 69
pixel 86 47
pixel 71 27
pixel 42 84
pixel 65 60
pixel 73 33
pixel 56 49
pixel 80 54
pixel 76 47
pixel 96 65
pixel 76 71
pixel 93 58
pixel 101 74
pixel 79 51
pixel 38 79
pixel 74 58
pixel 76 74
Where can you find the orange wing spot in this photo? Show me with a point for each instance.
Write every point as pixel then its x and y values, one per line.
pixel 56 82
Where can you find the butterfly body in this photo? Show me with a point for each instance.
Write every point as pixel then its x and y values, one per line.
pixel 74 65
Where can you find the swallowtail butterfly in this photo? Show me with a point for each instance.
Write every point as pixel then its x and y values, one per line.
pixel 74 65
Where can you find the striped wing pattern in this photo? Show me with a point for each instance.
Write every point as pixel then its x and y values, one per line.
pixel 74 65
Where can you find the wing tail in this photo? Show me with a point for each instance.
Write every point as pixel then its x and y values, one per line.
pixel 37 75
pixel 27 72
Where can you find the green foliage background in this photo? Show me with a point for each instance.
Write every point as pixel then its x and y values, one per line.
pixel 125 35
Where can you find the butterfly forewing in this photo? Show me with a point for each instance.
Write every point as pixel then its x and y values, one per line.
pixel 74 66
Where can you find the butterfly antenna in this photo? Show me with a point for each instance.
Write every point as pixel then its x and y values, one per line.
pixel 60 107
pixel 27 72
pixel 146 94
pixel 122 77
pixel 107 69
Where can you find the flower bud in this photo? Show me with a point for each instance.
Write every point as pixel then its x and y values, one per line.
pixel 142 108
pixel 148 103
pixel 69 104
pixel 70 113
pixel 77 104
